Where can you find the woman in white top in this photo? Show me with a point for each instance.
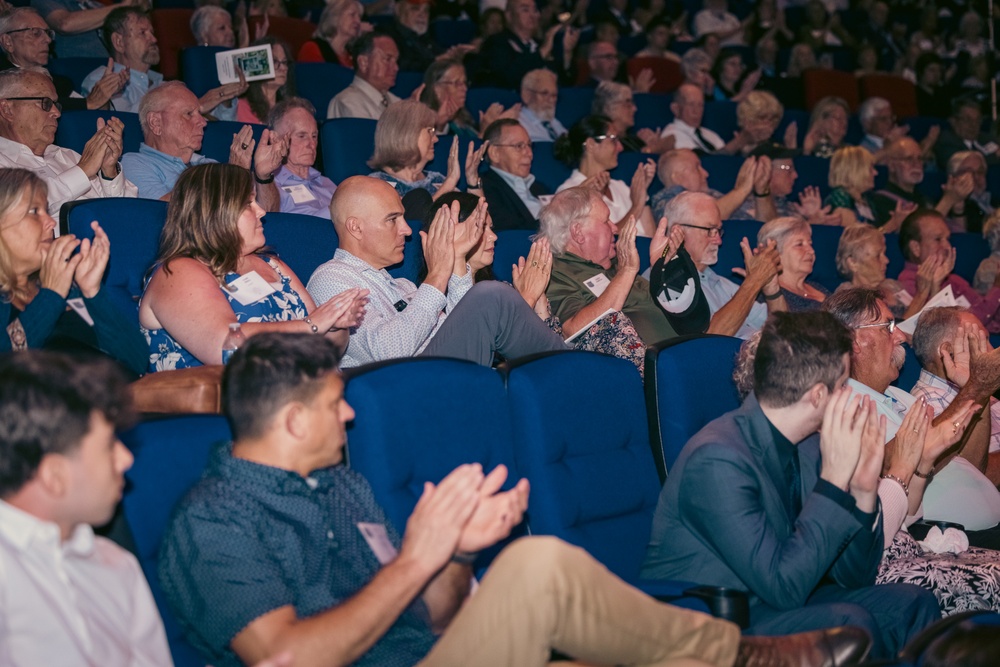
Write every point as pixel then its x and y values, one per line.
pixel 592 149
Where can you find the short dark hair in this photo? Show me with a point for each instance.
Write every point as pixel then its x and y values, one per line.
pixel 269 371
pixel 910 230
pixel 116 20
pixel 568 148
pixel 797 351
pixel 963 101
pixel 495 129
pixel 46 401
pixel 365 44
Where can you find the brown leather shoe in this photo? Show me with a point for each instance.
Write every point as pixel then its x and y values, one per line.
pixel 822 648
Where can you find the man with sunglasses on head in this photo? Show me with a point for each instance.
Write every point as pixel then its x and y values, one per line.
pixel 25 38
pixel 29 116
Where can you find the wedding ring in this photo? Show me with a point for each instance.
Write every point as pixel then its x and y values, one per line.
pixel 534 263
pixel 243 146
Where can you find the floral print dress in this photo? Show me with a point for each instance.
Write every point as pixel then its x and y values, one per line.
pixel 282 305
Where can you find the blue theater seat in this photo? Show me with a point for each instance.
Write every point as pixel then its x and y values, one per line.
pixel 301 241
pixel 170 455
pixel 546 168
pixel 219 138
pixel 133 227
pixel 320 82
pixel 75 69
pixel 77 127
pixel 689 382
pixel 420 418
pixel 574 103
pixel 198 68
pixel 510 245
pixel 348 143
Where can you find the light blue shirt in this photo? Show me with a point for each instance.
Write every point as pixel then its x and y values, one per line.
pixel 522 188
pixel 318 186
pixel 535 126
pixel 154 172
pixel 139 83
pixel 719 291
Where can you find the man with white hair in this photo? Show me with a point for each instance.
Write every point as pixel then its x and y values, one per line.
pixel 680 171
pixel 734 308
pixel 539 94
pixel 879 124
pixel 302 188
pixel 29 116
pixel 173 129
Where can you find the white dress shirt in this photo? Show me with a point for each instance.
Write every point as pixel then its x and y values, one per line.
pixel 359 100
pixel 58 167
pixel 685 136
pixel 620 201
pixel 79 603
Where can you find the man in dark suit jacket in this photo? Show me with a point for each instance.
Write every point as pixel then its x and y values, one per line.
pixel 760 501
pixel 510 189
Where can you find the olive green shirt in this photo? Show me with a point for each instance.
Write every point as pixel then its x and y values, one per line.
pixel 568 295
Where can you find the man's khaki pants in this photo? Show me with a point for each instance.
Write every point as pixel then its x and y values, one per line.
pixel 542 594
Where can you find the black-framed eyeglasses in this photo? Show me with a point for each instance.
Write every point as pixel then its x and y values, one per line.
pixel 890 325
pixel 35 33
pixel 713 232
pixel 46 102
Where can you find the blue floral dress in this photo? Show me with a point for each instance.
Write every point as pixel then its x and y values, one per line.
pixel 282 305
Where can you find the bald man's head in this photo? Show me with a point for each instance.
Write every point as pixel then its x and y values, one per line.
pixel 368 216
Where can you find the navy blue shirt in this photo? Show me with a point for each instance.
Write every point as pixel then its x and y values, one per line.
pixel 250 538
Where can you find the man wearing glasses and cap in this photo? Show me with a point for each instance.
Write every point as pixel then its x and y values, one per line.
pixel 29 116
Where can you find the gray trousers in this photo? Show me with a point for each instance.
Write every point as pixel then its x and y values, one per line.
pixel 492 317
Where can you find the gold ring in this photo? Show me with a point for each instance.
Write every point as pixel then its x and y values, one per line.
pixel 534 263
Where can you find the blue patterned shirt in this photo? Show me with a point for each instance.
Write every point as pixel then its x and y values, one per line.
pixel 249 539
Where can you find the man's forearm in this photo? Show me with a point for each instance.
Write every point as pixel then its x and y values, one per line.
pixel 766 210
pixel 445 594
pixel 731 201
pixel 268 197
pixel 728 319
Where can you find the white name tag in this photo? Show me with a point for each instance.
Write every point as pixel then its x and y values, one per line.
pixel 597 284
pixel 81 309
pixel 249 288
pixel 300 194
pixel 378 542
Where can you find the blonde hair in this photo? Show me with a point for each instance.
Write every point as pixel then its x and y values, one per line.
pixel 850 167
pixel 397 133
pixel 779 229
pixel 15 185
pixel 202 217
pixel 852 240
pixel 758 104
pixel 326 27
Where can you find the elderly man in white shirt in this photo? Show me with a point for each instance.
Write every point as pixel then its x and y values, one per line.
pixel 688 108
pixel 67 597
pixel 29 116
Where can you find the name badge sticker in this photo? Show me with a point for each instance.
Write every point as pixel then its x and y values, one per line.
pixel 300 194
pixel 249 288
pixel 597 284
pixel 378 541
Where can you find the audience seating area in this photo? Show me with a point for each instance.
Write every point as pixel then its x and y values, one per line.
pixel 593 481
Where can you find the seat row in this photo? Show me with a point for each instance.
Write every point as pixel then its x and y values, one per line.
pixel 592 472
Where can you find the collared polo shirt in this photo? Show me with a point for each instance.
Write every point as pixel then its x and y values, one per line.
pixel 155 172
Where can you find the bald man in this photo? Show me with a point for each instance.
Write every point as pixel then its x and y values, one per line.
pixel 447 316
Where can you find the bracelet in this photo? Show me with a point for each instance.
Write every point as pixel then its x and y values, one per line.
pixel 772 297
pixel 475 186
pixel 906 488
pixel 762 194
pixel 263 181
pixel 464 558
pixel 315 329
pixel 929 476
pixel 118 170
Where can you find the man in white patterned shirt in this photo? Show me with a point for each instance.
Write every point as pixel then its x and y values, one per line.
pixel 67 597
pixel 965 488
pixel 447 315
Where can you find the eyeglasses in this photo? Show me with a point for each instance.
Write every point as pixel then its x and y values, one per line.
pixel 551 94
pixel 713 232
pixel 602 137
pixel 890 325
pixel 783 167
pixel 279 63
pixel 46 102
pixel 35 33
pixel 519 146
